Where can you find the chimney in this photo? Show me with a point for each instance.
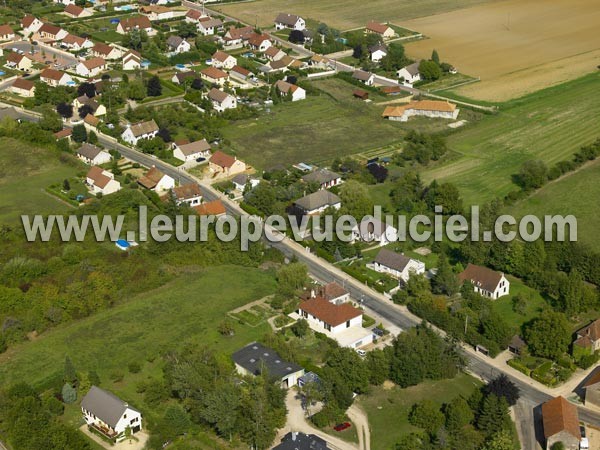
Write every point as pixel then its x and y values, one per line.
pixel 313 294
pixel 294 435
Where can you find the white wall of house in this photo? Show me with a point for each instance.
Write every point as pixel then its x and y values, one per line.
pixel 165 183
pixel 128 136
pixel 298 94
pixel 501 290
pixel 409 79
pixel 130 418
pixel 229 103
pixel 413 267
pixel 101 158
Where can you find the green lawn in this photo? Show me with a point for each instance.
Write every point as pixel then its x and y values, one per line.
pixel 186 310
pixel 572 194
pixel 25 172
pixel 318 129
pixel 388 409
pixel 549 125
pixel 504 305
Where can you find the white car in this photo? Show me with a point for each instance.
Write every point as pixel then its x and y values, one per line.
pixel 361 353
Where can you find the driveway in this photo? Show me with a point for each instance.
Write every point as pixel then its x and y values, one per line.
pixel 359 417
pixel 296 421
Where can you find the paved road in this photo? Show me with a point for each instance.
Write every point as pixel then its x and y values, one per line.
pixel 478 365
pixel 62 58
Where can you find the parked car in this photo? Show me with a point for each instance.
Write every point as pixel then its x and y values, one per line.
pixel 361 353
pixel 201 159
pixel 342 426
pixel 377 331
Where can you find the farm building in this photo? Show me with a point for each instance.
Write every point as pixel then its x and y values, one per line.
pixel 435 109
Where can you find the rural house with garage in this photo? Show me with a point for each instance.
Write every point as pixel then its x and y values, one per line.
pixel 486 282
pixel 255 358
pixel 561 423
pixel 224 164
pixel 190 151
pixel 90 154
pixel 109 415
pixel 188 194
pixel 290 21
pixel 101 181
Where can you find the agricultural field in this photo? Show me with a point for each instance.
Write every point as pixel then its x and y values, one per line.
pixel 388 407
pixel 513 45
pixel 318 129
pixel 549 125
pixel 575 193
pixel 25 172
pixel 341 14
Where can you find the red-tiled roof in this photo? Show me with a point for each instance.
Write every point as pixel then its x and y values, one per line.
pixel 481 277
pixel 560 415
pixel 222 159
pixel 213 208
pixel 329 313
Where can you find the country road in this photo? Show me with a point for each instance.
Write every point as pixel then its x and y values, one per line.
pixel 479 365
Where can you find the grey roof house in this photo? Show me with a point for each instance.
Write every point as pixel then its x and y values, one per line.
pixel 255 358
pixel 108 414
pixel 318 202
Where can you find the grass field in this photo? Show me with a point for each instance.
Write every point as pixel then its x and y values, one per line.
pixel 549 125
pixel 388 409
pixel 513 45
pixel 186 310
pixel 341 14
pixel 318 129
pixel 576 193
pixel 25 171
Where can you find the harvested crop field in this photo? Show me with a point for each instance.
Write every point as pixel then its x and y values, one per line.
pixel 515 46
pixel 341 14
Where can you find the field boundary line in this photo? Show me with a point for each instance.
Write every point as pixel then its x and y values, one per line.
pixel 454 86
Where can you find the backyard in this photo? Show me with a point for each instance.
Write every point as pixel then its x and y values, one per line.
pixel 388 407
pixel 23 190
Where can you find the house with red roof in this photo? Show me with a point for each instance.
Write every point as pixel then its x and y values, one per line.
pixel 6 33
pixel 212 208
pixel 23 87
pixel 101 181
pixel 561 423
pixel 385 31
pixel 223 164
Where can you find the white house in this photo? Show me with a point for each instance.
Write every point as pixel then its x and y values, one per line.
pixel 255 358
pixel 410 74
pixel 226 165
pixel 177 44
pixel 208 26
pixel 241 180
pixel 51 32
pixel 317 202
pixel 341 321
pixel 259 42
pixel 192 150
pixel 108 414
pixel 214 75
pixel 31 24
pixel 92 155
pixel 324 177
pixel 374 230
pixel 141 130
pixel 135 23
pixel 366 78
pixel 6 33
pixel 274 54
pixel 290 21
pixel 20 62
pixel 73 42
pixel 397 265
pixel 65 2
pixel 106 51
pixel 55 77
pixel 132 60
pixel 77 12
pixel 221 100
pixel 385 31
pixel 101 181
pixel 156 180
pixel 378 52
pixel 222 60
pixel 486 282
pixel 296 92
pixel 188 194
pixel 23 87
pixel 193 16
pixel 434 109
pixel 157 12
pixel 91 67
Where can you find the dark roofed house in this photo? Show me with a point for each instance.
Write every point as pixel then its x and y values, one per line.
pixel 291 21
pixel 108 414
pixel 180 77
pixel 397 265
pixel 300 441
pixel 90 154
pixel 192 150
pixel 561 423
pixel 486 282
pixel 324 177
pixel 366 78
pixel 255 359
pixel 588 337
pixel 188 193
pixel 317 202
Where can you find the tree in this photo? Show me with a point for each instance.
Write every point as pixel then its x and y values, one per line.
pixel 136 90
pixel 533 174
pixel 356 200
pixel 66 185
pixel 69 394
pixel 494 415
pixel 548 335
pixel 291 277
pixel 300 328
pixel 519 303
pixel 435 57
pixel 175 421
pixel 164 134
pixel 87 89
pixel 154 88
pixel 500 441
pixel 92 137
pixel 84 110
pixel 426 415
pixel 225 328
pixel 502 387
pixel 395 58
pixel 445 280
pixel 186 30
pixel 50 120
pixel 65 110
pixel 69 374
pixel 197 84
pixel 429 70
pixel 458 414
pixel 296 37
pixel 79 133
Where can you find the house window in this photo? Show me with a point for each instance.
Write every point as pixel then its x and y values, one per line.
pixel 124 416
pixel 348 324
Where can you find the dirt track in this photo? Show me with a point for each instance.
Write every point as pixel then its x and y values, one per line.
pixel 515 46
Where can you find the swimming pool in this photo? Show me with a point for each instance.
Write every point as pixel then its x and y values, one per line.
pixel 124 8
